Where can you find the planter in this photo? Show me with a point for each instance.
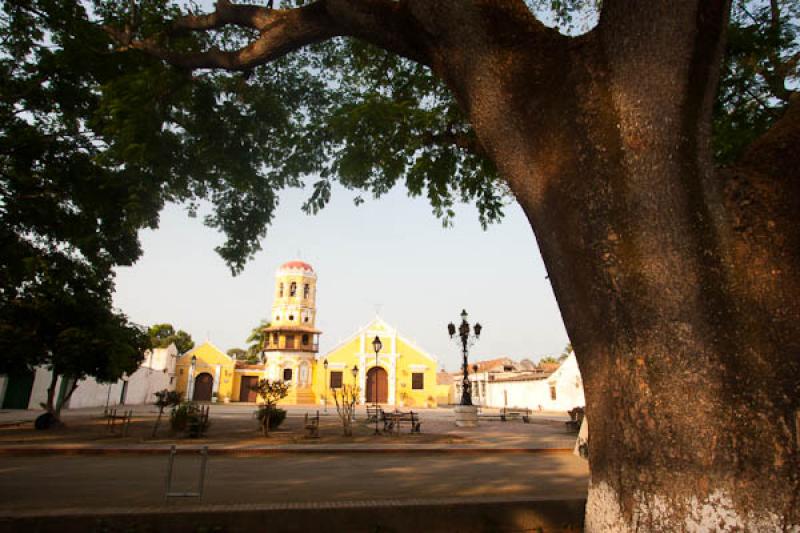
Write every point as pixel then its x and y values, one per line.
pixel 466 416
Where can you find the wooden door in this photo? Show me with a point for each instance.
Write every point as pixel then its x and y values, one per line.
pixel 203 384
pixel 377 384
pixel 246 393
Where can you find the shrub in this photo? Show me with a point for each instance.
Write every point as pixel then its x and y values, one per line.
pixel 179 418
pixel 276 415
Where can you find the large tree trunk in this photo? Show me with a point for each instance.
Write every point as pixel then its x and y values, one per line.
pixel 678 284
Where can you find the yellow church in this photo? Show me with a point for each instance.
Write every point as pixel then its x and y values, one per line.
pixel 403 375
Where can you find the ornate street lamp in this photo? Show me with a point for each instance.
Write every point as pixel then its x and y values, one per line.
pixel 355 373
pixel 466 339
pixel 376 345
pixel 325 364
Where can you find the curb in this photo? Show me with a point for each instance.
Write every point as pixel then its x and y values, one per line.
pixel 23 451
pixel 282 506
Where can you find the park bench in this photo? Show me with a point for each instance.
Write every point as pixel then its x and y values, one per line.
pixel 514 413
pixel 311 425
pixel 375 413
pixel 125 420
pixel 575 419
pixel 198 425
pixel 509 413
pixel 393 421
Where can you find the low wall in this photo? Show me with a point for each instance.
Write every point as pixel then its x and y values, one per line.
pixel 355 517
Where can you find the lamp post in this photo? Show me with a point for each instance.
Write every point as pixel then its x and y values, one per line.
pixel 465 339
pixel 376 345
pixel 466 413
pixel 325 364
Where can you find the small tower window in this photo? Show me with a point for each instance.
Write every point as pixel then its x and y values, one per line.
pixel 287 374
pixel 280 291
pixel 275 339
pixel 305 339
pixel 306 290
pixel 291 318
pixel 293 289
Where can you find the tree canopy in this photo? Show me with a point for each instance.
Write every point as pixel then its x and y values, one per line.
pixel 162 335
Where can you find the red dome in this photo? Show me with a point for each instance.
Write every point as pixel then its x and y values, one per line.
pixel 297 265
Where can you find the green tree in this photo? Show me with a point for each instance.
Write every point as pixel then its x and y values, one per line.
pixel 237 353
pixel 162 335
pixel 271 392
pixel 676 278
pixel 257 340
pixel 62 319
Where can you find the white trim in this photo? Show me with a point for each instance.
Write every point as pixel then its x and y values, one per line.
pixel 420 368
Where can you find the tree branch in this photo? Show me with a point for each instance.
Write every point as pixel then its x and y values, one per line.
pixel 465 141
pixel 776 152
pixel 385 23
pixel 225 13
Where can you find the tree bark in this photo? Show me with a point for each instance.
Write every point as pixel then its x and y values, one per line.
pixel 678 283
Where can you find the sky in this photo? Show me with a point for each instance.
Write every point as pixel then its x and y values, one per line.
pixel 389 256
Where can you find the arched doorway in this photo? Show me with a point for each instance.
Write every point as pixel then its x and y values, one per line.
pixel 377 382
pixel 203 384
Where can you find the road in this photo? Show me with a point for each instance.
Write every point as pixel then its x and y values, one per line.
pixel 28 483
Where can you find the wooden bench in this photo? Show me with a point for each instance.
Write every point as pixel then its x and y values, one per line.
pixel 375 413
pixel 311 425
pixel 575 419
pixel 509 413
pixel 392 422
pixel 513 413
pixel 125 420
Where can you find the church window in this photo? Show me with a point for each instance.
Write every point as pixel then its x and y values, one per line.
pixel 305 339
pixel 552 392
pixel 275 339
pixel 293 289
pixel 277 317
pixel 306 290
pixel 290 341
pixel 336 379
pixel 287 374
pixel 291 318
pixel 280 291
pixel 417 380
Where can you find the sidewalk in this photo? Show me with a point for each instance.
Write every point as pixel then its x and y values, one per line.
pixel 233 431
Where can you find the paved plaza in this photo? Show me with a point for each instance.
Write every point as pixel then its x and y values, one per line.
pixel 83 470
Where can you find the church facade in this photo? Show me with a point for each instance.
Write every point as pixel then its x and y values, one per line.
pixel 404 374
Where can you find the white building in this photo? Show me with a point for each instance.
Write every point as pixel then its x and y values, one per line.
pixel 157 372
pixel 560 390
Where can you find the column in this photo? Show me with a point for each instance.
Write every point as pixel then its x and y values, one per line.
pixel 362 377
pixel 217 377
pixel 190 384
